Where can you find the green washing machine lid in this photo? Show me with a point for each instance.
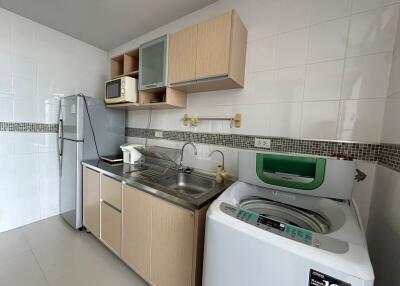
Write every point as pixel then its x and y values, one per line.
pixel 295 172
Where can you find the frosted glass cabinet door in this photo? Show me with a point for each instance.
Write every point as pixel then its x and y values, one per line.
pixel 152 60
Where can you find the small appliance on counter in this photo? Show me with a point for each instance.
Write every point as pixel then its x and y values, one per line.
pixel 132 154
pixel 112 159
pixel 121 90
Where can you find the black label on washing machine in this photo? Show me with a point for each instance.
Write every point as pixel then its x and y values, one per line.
pixel 321 279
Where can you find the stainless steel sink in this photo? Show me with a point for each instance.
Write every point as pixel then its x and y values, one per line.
pixel 188 184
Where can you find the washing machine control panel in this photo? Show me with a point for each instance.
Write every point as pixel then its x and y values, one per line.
pixel 286 230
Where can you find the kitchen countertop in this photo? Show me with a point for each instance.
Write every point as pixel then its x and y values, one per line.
pixel 124 173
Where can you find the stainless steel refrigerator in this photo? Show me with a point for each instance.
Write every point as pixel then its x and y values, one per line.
pixel 84 122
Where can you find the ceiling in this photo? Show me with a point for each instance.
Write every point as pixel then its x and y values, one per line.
pixel 105 24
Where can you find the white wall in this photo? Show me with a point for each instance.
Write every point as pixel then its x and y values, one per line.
pixel 384 228
pixel 384 225
pixel 37 66
pixel 315 69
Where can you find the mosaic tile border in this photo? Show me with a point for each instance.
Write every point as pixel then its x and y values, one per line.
pixel 28 127
pixel 390 156
pixel 385 154
pixel 360 151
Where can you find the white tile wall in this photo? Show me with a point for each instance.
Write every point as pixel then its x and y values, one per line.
pixel 324 10
pixel 390 129
pixel 373 31
pixel 383 228
pixel 37 66
pixel 367 76
pixel 324 81
pixel 292 48
pixel 328 40
pixel 309 55
pixel 361 120
pixel 319 119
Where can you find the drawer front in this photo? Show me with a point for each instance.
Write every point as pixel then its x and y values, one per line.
pixel 111 227
pixel 111 191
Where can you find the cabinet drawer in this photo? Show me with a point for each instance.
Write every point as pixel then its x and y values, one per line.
pixel 111 191
pixel 111 227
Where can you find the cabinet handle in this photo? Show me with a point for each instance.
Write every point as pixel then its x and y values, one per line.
pixel 151 85
pixel 111 206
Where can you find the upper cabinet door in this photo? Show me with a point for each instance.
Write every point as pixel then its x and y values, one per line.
pixel 213 48
pixel 152 61
pixel 182 55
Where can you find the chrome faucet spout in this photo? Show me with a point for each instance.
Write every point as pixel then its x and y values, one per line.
pixel 182 150
pixel 222 154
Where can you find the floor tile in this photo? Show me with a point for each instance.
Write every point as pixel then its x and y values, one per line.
pixel 70 257
pixel 12 243
pixel 21 270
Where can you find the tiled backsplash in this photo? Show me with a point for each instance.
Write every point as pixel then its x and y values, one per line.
pixel 28 127
pixel 386 154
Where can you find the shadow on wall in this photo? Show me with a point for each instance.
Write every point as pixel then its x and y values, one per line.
pixel 384 228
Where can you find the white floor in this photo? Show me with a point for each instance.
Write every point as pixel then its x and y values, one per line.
pixel 50 253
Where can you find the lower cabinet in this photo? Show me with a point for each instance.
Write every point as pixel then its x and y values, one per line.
pixel 110 229
pixel 136 230
pixel 91 201
pixel 160 241
pixel 171 245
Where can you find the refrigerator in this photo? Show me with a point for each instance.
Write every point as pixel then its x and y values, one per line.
pixel 84 122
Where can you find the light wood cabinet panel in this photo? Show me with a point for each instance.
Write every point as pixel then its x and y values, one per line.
pixel 136 230
pixel 213 47
pixel 91 201
pixel 110 230
pixel 172 244
pixel 182 55
pixel 111 191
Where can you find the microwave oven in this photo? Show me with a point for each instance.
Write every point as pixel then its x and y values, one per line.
pixel 121 90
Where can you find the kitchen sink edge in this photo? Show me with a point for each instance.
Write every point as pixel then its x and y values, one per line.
pixel 155 187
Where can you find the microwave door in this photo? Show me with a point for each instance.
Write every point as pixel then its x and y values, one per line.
pixel 113 89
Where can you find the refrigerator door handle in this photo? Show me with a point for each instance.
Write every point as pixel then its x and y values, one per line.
pixel 61 137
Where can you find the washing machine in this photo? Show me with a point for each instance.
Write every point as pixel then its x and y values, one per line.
pixel 287 221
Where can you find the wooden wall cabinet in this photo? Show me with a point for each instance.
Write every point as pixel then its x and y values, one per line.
pixel 91 201
pixel 182 55
pixel 208 56
pixel 153 63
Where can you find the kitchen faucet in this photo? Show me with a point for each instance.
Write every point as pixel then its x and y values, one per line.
pixel 220 175
pixel 183 148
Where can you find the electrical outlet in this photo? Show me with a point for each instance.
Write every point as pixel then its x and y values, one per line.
pixel 158 134
pixel 262 143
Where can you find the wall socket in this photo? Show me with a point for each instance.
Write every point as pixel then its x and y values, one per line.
pixel 158 134
pixel 262 143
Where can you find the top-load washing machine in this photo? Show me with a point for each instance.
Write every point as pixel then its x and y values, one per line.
pixel 288 221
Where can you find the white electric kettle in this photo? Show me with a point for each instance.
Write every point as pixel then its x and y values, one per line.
pixel 131 153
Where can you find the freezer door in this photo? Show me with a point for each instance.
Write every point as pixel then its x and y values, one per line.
pixel 71 183
pixel 71 117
